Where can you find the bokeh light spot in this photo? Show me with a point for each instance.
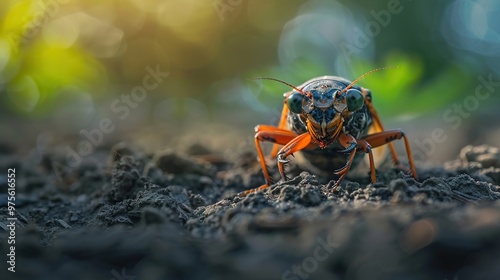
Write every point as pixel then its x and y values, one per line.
pixel 24 93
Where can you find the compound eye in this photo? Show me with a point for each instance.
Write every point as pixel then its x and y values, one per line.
pixel 294 102
pixel 354 100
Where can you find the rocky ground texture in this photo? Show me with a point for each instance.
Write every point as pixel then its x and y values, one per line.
pixel 125 214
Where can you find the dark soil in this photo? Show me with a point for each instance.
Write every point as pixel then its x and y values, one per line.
pixel 125 214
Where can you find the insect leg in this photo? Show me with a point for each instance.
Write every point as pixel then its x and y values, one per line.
pixel 282 125
pixel 377 123
pixel 350 145
pixel 272 134
pixel 386 137
pixel 298 143
pixel 367 148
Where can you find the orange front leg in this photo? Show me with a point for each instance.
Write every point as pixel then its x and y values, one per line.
pixel 298 143
pixel 386 137
pixel 272 134
pixel 349 143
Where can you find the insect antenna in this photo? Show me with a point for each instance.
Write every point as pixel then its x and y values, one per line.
pixel 280 81
pixel 366 74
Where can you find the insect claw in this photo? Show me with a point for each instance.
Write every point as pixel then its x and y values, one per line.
pixel 282 160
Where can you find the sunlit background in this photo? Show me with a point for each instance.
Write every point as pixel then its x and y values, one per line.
pixel 65 65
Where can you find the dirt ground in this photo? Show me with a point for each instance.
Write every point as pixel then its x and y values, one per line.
pixel 123 213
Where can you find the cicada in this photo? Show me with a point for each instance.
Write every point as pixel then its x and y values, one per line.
pixel 333 122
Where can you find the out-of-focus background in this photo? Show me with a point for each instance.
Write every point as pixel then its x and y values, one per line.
pixel 159 72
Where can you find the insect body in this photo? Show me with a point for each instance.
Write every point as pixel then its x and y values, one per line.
pixel 326 118
pixel 323 109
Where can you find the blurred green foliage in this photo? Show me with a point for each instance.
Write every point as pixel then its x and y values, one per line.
pixel 100 49
pixel 36 71
pixel 400 91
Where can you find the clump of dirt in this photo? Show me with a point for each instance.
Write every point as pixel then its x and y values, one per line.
pixel 123 213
